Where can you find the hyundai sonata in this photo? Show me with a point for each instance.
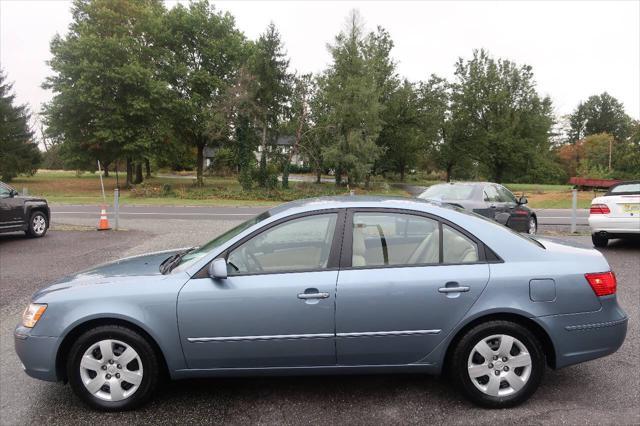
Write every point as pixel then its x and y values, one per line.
pixel 330 286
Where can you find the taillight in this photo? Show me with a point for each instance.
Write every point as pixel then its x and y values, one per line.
pixel 599 209
pixel 603 283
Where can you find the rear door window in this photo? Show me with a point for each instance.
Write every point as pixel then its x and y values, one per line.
pixel 394 239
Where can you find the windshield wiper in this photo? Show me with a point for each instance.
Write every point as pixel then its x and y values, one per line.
pixel 172 261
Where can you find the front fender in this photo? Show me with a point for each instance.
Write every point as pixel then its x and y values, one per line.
pixel 150 306
pixel 30 206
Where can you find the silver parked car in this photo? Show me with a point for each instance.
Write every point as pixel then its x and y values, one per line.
pixel 488 199
pixel 330 286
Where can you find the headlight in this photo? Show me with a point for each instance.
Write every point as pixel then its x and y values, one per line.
pixel 32 314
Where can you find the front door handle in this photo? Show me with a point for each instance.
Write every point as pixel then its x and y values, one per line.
pixel 315 295
pixel 457 289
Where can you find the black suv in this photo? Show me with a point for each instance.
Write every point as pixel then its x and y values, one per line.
pixel 20 213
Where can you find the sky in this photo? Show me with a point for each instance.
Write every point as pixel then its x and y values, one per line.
pixel 576 48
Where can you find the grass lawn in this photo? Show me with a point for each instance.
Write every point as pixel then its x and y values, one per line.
pixel 66 188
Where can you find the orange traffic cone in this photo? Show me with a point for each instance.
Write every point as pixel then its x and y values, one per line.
pixel 103 225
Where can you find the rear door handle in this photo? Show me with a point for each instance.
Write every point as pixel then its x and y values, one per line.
pixel 319 295
pixel 458 289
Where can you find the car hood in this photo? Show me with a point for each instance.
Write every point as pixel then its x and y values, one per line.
pixel 121 270
pixel 29 198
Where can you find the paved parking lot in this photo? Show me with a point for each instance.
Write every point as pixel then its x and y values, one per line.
pixel 602 391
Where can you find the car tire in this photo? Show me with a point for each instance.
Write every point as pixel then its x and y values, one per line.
pixel 103 383
pixel 506 383
pixel 38 225
pixel 599 240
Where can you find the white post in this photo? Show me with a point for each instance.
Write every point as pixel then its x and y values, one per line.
pixel 574 208
pixel 104 198
pixel 116 207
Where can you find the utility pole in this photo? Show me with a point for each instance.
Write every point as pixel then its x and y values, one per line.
pixel 610 148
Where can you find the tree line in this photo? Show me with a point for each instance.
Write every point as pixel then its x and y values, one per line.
pixel 139 85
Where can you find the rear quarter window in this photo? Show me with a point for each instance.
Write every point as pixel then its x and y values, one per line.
pixel 625 189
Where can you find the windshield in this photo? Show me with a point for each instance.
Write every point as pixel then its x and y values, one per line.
pixel 625 188
pixel 448 191
pixel 194 255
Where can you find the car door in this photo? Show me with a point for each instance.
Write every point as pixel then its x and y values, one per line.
pixel 276 307
pixel 394 310
pixel 494 207
pixel 518 218
pixel 11 209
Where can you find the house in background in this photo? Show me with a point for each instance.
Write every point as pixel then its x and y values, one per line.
pixel 209 155
pixel 283 145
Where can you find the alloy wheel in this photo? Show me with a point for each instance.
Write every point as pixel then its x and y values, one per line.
pixel 111 370
pixel 499 365
pixel 39 224
pixel 533 225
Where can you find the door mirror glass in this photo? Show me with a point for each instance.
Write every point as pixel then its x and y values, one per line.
pixel 218 269
pixel 523 200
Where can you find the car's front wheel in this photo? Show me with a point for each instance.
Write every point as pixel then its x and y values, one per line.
pixel 498 364
pixel 38 225
pixel 112 368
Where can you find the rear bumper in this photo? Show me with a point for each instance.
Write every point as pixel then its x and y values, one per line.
pixel 614 225
pixel 587 336
pixel 37 354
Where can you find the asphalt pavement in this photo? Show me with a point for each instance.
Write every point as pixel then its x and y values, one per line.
pixel 604 391
pixel 66 212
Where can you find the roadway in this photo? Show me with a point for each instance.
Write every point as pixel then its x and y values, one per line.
pixel 68 212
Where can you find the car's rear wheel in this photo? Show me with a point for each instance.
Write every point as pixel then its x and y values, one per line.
pixel 533 226
pixel 38 225
pixel 599 240
pixel 498 364
pixel 112 368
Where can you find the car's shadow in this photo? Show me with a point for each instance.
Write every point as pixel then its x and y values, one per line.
pixel 12 236
pixel 632 243
pixel 366 399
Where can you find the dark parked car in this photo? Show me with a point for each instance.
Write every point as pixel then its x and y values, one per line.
pixel 487 199
pixel 21 213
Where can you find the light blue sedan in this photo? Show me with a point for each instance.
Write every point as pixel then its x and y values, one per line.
pixel 330 286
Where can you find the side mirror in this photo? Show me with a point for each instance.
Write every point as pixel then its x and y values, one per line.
pixel 13 193
pixel 218 269
pixel 523 200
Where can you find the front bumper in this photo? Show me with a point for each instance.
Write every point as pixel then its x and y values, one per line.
pixel 614 225
pixel 37 354
pixel 586 336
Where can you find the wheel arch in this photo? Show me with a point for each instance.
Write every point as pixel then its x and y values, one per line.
pixel 32 208
pixel 531 325
pixel 78 329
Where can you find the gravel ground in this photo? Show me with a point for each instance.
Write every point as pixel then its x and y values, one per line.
pixel 597 392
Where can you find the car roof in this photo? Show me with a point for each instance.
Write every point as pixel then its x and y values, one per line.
pixel 352 201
